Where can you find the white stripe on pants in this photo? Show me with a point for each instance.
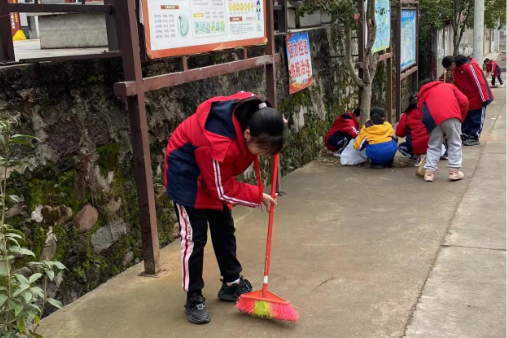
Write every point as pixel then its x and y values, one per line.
pixel 187 244
pixel 451 129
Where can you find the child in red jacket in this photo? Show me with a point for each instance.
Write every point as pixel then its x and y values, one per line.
pixel 471 81
pixel 345 128
pixel 496 72
pixel 443 107
pixel 412 128
pixel 203 157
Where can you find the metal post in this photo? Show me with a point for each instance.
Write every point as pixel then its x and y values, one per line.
pixel 270 69
pixel 398 62
pixel 417 44
pixel 478 30
pixel 360 42
pixel 129 42
pixel 270 50
pixel 111 30
pixel 6 44
pixel 389 85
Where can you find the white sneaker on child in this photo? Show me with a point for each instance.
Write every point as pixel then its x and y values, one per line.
pixel 429 175
pixel 337 154
pixel 502 85
pixel 455 175
pixel 419 160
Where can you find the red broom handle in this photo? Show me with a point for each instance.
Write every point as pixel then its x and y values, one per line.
pixel 270 225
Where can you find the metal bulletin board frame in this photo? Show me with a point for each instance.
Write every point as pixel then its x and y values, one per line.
pixel 402 74
pixel 386 57
pixel 204 48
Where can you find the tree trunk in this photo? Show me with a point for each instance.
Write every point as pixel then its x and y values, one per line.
pixel 366 92
pixel 456 40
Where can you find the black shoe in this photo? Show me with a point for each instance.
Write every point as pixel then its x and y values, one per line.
pixel 196 310
pixel 232 293
pixel 471 142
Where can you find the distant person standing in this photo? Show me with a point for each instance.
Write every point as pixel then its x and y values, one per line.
pixel 471 81
pixel 496 72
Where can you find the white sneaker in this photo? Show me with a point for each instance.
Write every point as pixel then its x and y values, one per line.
pixel 420 160
pixel 502 85
pixel 337 154
pixel 429 175
pixel 455 175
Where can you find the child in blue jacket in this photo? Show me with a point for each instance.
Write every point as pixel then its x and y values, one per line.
pixel 378 137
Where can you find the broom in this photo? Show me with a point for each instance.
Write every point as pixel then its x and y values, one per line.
pixel 263 303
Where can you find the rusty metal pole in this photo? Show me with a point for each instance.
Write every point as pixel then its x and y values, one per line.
pixel 389 89
pixel 398 62
pixel 6 44
pixel 270 69
pixel 129 42
pixel 361 29
pixel 417 44
pixel 389 74
pixel 270 50
pixel 111 28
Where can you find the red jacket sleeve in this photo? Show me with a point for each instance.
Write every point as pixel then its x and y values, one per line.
pixel 462 101
pixel 218 179
pixel 476 76
pixel 351 130
pixel 401 128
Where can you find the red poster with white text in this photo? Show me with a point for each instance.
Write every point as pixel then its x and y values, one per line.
pixel 299 61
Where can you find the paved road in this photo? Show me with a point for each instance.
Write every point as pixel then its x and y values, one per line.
pixel 354 248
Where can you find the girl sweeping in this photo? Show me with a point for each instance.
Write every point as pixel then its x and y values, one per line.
pixel 204 155
pixel 416 136
pixel 377 136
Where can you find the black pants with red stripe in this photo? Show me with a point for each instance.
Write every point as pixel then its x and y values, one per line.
pixel 194 235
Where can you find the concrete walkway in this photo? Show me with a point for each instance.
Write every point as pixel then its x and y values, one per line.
pixel 465 292
pixel 353 249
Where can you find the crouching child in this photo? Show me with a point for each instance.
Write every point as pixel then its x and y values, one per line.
pixel 416 136
pixel 344 129
pixel 378 138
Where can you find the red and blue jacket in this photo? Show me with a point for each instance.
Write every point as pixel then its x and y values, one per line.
pixel 439 101
pixel 412 128
pixel 205 154
pixel 470 79
pixel 493 68
pixel 345 123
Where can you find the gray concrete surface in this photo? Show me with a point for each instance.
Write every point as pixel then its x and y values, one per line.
pixel 72 31
pixel 352 250
pixel 465 293
pixel 28 49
